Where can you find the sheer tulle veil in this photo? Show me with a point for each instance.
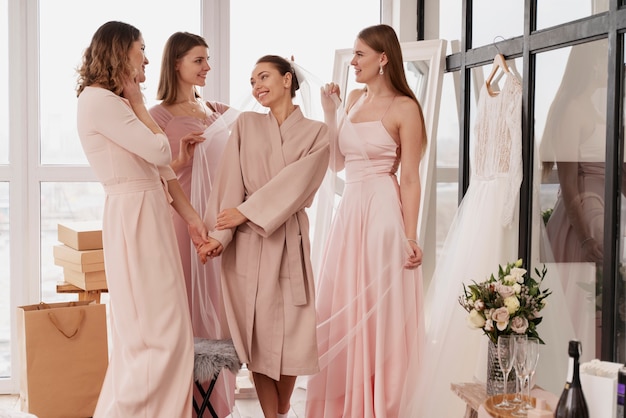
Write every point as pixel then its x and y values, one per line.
pixel 206 297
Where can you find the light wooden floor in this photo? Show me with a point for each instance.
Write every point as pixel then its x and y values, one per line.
pixel 244 408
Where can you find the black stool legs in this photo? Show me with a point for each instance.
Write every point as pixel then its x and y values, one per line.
pixel 210 357
pixel 205 399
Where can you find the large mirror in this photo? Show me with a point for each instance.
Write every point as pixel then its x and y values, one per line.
pixel 424 63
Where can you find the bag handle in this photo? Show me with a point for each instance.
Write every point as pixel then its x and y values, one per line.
pixel 55 322
pixel 44 305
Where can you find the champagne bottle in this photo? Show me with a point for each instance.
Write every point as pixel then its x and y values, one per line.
pixel 572 402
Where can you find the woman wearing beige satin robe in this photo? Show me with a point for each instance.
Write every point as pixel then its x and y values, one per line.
pixel 271 169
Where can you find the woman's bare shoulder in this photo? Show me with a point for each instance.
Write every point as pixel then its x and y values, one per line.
pixel 353 96
pixel 404 106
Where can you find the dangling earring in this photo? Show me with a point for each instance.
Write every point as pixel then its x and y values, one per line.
pixel 381 71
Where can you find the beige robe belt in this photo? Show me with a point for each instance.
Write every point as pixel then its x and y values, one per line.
pixel 296 264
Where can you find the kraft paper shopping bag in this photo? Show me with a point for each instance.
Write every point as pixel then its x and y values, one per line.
pixel 63 358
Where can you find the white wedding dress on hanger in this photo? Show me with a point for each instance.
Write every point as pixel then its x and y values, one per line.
pixel 483 235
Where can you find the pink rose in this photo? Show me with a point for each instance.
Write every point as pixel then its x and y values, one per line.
pixel 519 325
pixel 501 317
pixel 505 291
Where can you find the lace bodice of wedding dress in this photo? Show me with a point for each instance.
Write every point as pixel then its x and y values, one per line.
pixel 498 142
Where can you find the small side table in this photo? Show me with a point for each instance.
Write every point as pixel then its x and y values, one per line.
pixel 473 394
pixel 65 287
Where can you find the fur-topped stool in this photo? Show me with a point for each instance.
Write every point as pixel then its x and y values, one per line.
pixel 210 357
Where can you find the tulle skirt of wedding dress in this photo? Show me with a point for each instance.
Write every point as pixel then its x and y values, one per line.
pixel 476 244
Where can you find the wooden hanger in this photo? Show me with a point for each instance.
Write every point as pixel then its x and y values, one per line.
pixel 498 63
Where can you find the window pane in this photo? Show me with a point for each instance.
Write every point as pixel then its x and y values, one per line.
pixel 447 202
pixel 65 43
pixel 447 160
pixel 570 117
pixel 311 40
pixel 63 202
pixel 450 19
pixel 555 12
pixel 5 284
pixel 496 19
pixel 4 82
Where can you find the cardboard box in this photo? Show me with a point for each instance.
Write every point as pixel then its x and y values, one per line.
pixel 81 235
pixel 83 261
pixel 63 252
pixel 83 268
pixel 94 280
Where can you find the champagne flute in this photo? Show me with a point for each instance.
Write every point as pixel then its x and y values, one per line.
pixel 521 348
pixel 532 357
pixel 518 389
pixel 506 356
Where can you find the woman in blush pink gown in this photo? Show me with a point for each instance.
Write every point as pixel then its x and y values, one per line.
pixel 369 289
pixel 197 131
pixel 150 372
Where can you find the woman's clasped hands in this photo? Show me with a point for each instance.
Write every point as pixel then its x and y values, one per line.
pixel 226 219
pixel 209 249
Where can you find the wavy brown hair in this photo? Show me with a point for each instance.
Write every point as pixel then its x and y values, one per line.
pixel 383 38
pixel 176 47
pixel 105 61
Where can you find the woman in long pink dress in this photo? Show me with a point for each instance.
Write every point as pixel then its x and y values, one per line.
pixel 272 167
pixel 370 326
pixel 197 131
pixel 150 371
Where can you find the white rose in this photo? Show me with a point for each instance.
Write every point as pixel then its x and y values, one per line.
pixel 475 319
pixel 512 304
pixel 517 288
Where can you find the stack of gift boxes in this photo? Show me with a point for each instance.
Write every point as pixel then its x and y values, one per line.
pixel 81 255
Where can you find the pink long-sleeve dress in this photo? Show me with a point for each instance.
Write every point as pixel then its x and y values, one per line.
pixel 150 371
pixel 204 292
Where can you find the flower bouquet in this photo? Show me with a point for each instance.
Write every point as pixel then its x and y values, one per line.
pixel 509 304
